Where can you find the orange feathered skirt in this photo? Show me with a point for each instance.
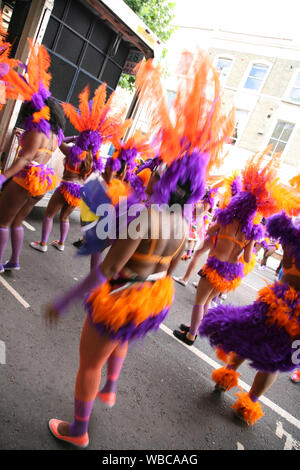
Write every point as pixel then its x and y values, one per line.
pixel 131 312
pixel 36 179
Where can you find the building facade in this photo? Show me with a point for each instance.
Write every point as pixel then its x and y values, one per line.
pixel 260 76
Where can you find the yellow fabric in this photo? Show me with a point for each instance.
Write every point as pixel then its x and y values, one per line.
pixel 86 214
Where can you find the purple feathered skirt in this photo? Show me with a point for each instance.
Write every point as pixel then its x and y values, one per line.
pixel 224 276
pixel 71 192
pixel 265 332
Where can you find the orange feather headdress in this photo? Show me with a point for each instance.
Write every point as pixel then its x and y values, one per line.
pixel 262 195
pixel 5 61
pixel 135 147
pixel 193 131
pixel 98 120
pixel 33 87
pixel 197 119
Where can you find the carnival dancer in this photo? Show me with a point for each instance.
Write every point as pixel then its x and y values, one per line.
pixel 5 62
pixel 197 226
pixel 116 182
pixel 269 246
pixel 264 332
pixel 43 120
pixel 232 185
pixel 132 289
pixel 235 231
pixel 96 123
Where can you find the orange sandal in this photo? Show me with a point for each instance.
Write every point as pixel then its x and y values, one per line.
pixel 81 441
pixel 108 398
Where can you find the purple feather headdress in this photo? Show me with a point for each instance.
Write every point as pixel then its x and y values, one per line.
pixel 85 141
pixel 281 227
pixel 242 207
pixel 191 168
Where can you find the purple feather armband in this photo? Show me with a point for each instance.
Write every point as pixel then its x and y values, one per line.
pixel 95 279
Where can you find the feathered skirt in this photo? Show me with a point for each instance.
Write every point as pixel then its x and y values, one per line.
pixel 37 179
pixel 265 332
pixel 128 309
pixel 71 192
pixel 224 276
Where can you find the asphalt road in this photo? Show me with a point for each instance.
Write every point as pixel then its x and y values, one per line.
pixel 166 397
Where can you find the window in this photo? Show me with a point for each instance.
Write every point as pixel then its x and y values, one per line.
pixel 241 118
pixel 171 95
pixel 223 65
pixel 280 136
pixel 294 92
pixel 256 77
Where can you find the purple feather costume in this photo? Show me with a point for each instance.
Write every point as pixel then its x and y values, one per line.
pixel 263 332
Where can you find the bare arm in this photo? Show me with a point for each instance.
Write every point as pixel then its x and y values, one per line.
pixel 31 142
pixel 248 251
pixel 175 260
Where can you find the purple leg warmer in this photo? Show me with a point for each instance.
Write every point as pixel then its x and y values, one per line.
pixel 46 230
pixel 4 233
pixel 80 424
pixel 17 237
pixel 64 229
pixel 114 366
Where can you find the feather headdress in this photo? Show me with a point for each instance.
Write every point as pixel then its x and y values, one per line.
pixel 233 185
pixel 295 181
pixel 256 199
pixel 5 47
pixel 138 145
pixel 193 131
pixel 33 87
pixel 98 120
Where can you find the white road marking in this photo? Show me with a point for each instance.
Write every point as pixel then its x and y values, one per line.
pixel 2 353
pixel 30 227
pixel 248 285
pixel 290 442
pixel 14 293
pixel 240 446
pixel 277 409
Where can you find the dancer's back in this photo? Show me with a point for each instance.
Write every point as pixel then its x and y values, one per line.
pixel 161 241
pixel 230 243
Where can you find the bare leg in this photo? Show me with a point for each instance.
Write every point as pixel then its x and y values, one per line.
pixel 202 301
pixel 267 254
pixel 205 293
pixel 207 244
pixel 94 352
pixel 261 383
pixel 13 198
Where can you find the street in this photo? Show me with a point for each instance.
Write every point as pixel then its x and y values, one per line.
pixel 165 397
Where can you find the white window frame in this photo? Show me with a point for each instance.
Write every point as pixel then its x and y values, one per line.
pixel 283 119
pixel 226 57
pixel 247 74
pixel 244 127
pixel 286 96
